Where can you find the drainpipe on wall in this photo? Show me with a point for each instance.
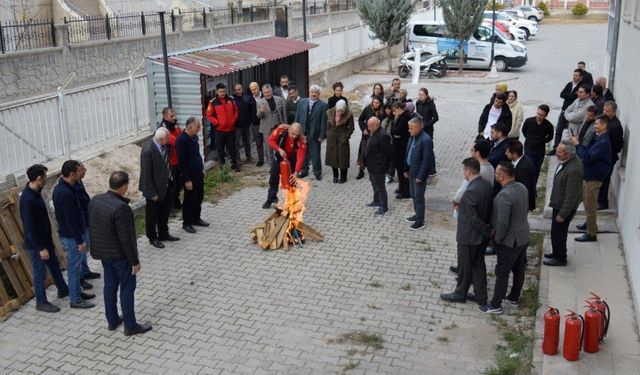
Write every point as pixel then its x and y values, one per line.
pixel 614 47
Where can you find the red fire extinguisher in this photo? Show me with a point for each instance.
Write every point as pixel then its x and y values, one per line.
pixel 551 331
pixel 604 309
pixel 573 336
pixel 285 173
pixel 592 328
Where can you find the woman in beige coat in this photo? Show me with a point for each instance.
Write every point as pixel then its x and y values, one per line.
pixel 517 114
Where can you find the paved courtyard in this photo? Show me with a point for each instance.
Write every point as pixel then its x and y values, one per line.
pixel 220 305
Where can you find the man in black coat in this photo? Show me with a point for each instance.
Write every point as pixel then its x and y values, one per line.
pixel 498 150
pixel 112 234
pixel 525 170
pixel 246 108
pixel 493 113
pixel 155 185
pixel 568 94
pixel 400 134
pixel 378 156
pixel 616 136
pixel 537 131
pixel 587 78
pixel 87 274
pixel 192 171
pixel 472 235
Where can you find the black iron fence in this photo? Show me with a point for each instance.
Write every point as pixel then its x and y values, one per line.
pixel 121 26
pixel 193 19
pixel 326 6
pixel 232 16
pixel 26 35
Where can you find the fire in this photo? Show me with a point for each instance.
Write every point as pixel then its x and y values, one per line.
pixel 295 198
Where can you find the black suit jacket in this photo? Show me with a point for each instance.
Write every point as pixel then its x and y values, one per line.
pixel 569 94
pixel 474 214
pixel 154 171
pixel 498 153
pixel 378 154
pixel 525 174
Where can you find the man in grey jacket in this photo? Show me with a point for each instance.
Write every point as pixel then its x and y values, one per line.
pixel 272 111
pixel 576 112
pixel 511 237
pixel 472 235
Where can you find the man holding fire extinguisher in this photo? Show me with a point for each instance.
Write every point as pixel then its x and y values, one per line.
pixel 289 146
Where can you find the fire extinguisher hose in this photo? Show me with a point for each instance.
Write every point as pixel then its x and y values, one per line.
pixel 582 333
pixel 607 318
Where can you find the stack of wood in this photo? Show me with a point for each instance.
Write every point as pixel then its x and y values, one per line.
pixel 277 232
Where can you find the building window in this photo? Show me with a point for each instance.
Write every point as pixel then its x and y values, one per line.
pixel 628 9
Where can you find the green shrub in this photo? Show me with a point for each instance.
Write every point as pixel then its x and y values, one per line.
pixel 499 6
pixel 544 8
pixel 579 9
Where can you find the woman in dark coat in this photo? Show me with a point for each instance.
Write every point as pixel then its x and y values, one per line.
pixel 340 126
pixel 338 87
pixel 386 125
pixel 374 109
pixel 426 108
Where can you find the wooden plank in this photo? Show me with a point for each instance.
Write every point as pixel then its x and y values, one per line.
pixel 5 245
pixel 25 259
pixel 278 223
pixel 281 239
pixel 13 277
pixel 310 232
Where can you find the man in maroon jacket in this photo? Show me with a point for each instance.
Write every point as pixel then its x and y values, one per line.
pixel 222 113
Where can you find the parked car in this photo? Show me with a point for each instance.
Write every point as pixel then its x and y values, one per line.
pixel 431 37
pixel 528 26
pixel 531 12
pixel 515 13
pixel 510 32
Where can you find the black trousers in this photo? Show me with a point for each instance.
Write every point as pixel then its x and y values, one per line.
pixel 157 216
pixel 379 190
pixel 259 140
pixel 562 124
pixel 400 152
pixel 192 203
pixel 226 140
pixel 510 259
pixel 537 158
pixel 243 138
pixel 177 186
pixel 559 235
pixel 472 269
pixel 603 193
pixel 339 173
pixel 274 178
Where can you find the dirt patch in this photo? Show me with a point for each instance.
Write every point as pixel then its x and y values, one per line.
pixel 125 158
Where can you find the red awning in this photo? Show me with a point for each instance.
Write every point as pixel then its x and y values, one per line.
pixel 229 58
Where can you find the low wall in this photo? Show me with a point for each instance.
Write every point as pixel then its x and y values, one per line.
pixel 321 22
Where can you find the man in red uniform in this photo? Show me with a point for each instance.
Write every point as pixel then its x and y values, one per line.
pixel 222 113
pixel 290 146
pixel 170 122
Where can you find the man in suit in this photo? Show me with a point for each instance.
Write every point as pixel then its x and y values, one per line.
pixel 587 77
pixel 576 112
pixel 156 186
pixel 498 150
pixel 418 161
pixel 566 195
pixel 378 156
pixel 616 136
pixel 472 235
pixel 192 171
pixel 511 237
pixel 312 116
pixel 525 170
pixel 256 96
pixel 112 235
pixel 170 122
pixel 568 94
pixel 602 82
pixel 493 113
pixel 272 111
pixel 400 138
pixel 283 90
pixel 87 274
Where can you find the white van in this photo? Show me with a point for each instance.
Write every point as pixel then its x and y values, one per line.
pixel 430 37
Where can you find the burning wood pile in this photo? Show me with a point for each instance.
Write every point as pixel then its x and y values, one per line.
pixel 284 228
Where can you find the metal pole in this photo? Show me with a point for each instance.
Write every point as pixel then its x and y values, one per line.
pixel 493 34
pixel 304 19
pixel 434 10
pixel 163 39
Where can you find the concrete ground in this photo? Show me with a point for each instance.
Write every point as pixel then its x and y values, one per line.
pixel 220 305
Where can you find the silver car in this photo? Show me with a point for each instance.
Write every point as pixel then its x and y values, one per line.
pixel 531 12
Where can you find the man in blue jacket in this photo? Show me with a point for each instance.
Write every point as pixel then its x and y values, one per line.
pixel 419 161
pixel 72 227
pixel 38 240
pixel 596 163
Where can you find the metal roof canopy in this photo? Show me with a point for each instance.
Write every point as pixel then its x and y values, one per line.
pixel 219 60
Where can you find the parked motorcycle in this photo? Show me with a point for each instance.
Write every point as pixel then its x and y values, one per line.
pixel 433 65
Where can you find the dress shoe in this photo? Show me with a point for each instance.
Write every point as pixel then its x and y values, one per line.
pixel 319 177
pixel 453 297
pixel 490 251
pixel 453 269
pixel 64 293
pixel 169 238
pixel 381 211
pixel 472 297
pixel 91 276
pixel 510 301
pixel 586 238
pixel 47 307
pixel 602 207
pixel 554 263
pixel 157 243
pixel 87 296
pixel 360 175
pixel 582 226
pixel 201 223
pixel 416 226
pixel 388 179
pixel 490 309
pixel 402 196
pixel 189 228
pixel 86 285
pixel 373 204
pixel 267 205
pixel 549 256
pixel 260 163
pixel 303 174
pixel 82 305
pixel 115 326
pixel 138 329
pixel 335 180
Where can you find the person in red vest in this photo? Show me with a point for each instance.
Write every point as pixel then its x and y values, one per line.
pixel 290 146
pixel 170 122
pixel 222 113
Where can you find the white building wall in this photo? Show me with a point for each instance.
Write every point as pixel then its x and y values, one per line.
pixel 16 10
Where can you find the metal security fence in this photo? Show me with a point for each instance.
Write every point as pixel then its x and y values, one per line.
pixel 110 27
pixel 193 19
pixel 26 35
pixel 232 16
pixel 325 6
pixel 59 125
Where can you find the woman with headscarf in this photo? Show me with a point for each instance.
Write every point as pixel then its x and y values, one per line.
pixel 517 114
pixel 375 109
pixel 501 88
pixel 338 88
pixel 340 126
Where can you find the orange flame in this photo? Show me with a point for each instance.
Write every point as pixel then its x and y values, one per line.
pixel 294 202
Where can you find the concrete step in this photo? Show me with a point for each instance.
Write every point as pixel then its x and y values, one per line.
pixel 85 7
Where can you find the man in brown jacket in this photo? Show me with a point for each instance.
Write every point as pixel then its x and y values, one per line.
pixel 566 195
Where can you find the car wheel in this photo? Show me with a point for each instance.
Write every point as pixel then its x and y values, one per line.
pixel 527 34
pixel 501 64
pixel 533 18
pixel 403 71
